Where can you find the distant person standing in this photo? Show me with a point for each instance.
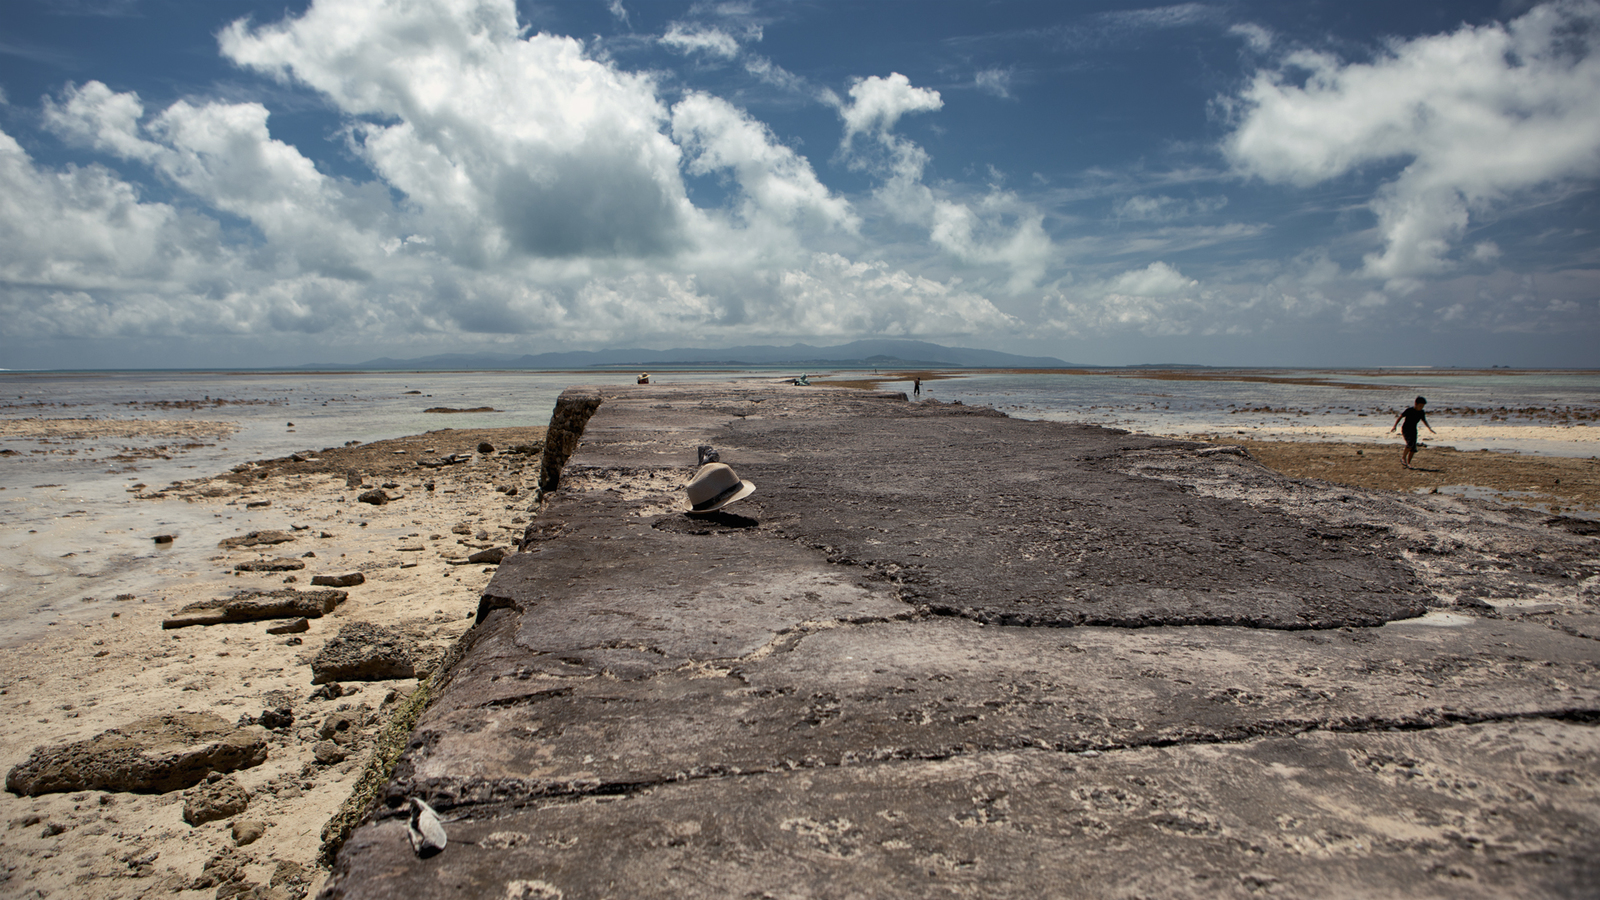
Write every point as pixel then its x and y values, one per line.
pixel 1408 430
pixel 916 387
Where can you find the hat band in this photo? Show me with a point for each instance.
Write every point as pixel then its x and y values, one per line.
pixel 718 498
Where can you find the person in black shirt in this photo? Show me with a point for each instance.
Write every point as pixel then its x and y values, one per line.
pixel 1409 430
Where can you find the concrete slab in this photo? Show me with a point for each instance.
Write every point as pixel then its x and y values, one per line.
pixel 944 652
pixel 1448 813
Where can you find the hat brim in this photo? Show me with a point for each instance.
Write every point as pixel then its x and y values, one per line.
pixel 745 489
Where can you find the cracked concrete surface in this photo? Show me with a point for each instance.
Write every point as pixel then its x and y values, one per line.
pixel 940 652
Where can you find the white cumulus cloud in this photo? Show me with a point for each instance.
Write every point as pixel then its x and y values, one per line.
pixel 1473 117
pixel 510 146
pixel 876 104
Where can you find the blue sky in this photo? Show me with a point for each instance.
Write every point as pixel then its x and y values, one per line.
pixel 220 183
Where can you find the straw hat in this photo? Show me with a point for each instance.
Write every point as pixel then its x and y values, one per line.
pixel 714 487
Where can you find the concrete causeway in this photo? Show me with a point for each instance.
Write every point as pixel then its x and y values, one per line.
pixel 941 652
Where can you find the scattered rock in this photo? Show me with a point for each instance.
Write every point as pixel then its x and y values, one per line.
pixel 225 868
pixel 376 497
pixel 333 690
pixel 244 890
pixel 250 606
pixel 461 528
pixel 485 447
pixel 492 556
pixel 288 874
pixel 362 651
pixel 165 538
pixel 218 797
pixel 328 753
pixel 248 831
pixel 350 580
pixel 152 755
pixel 258 504
pixel 340 727
pixel 276 719
pixel 279 564
pixel 293 626
pixel 256 539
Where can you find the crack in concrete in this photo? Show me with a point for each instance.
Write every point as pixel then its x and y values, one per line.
pixel 453 793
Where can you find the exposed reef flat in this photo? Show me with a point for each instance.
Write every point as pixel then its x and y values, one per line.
pixel 204 761
pixel 943 652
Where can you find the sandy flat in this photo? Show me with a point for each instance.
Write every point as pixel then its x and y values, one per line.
pixel 91 673
pixel 1554 484
pixel 78 429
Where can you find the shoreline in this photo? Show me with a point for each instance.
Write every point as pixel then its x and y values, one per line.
pixel 86 675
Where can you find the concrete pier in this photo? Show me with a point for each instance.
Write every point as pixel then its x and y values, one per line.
pixel 941 652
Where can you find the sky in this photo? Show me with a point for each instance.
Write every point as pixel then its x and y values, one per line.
pixel 204 183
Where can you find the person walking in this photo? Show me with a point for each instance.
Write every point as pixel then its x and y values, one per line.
pixel 1408 430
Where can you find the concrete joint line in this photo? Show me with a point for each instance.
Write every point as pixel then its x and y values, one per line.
pixel 518 793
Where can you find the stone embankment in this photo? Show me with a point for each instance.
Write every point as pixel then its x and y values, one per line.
pixel 943 652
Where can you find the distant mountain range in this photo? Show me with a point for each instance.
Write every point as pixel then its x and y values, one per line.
pixel 857 354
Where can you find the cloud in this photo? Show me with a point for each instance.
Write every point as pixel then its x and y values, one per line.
pixel 1155 280
pixel 777 185
pixel 224 155
pixel 877 104
pixel 767 71
pixel 1162 208
pixel 994 81
pixel 517 187
pixel 1254 36
pixel 618 12
pixel 1177 15
pixel 996 229
pixel 508 147
pixel 85 229
pixel 1473 117
pixel 701 39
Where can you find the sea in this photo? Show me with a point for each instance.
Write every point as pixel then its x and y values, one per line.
pixel 73 534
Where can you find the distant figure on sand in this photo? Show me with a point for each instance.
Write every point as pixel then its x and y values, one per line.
pixel 1409 430
pixel 916 387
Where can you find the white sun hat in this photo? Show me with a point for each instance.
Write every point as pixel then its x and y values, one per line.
pixel 714 487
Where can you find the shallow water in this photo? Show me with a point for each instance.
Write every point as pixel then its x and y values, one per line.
pixel 72 535
pixel 1532 420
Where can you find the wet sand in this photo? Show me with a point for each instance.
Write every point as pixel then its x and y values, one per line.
pixel 1553 484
